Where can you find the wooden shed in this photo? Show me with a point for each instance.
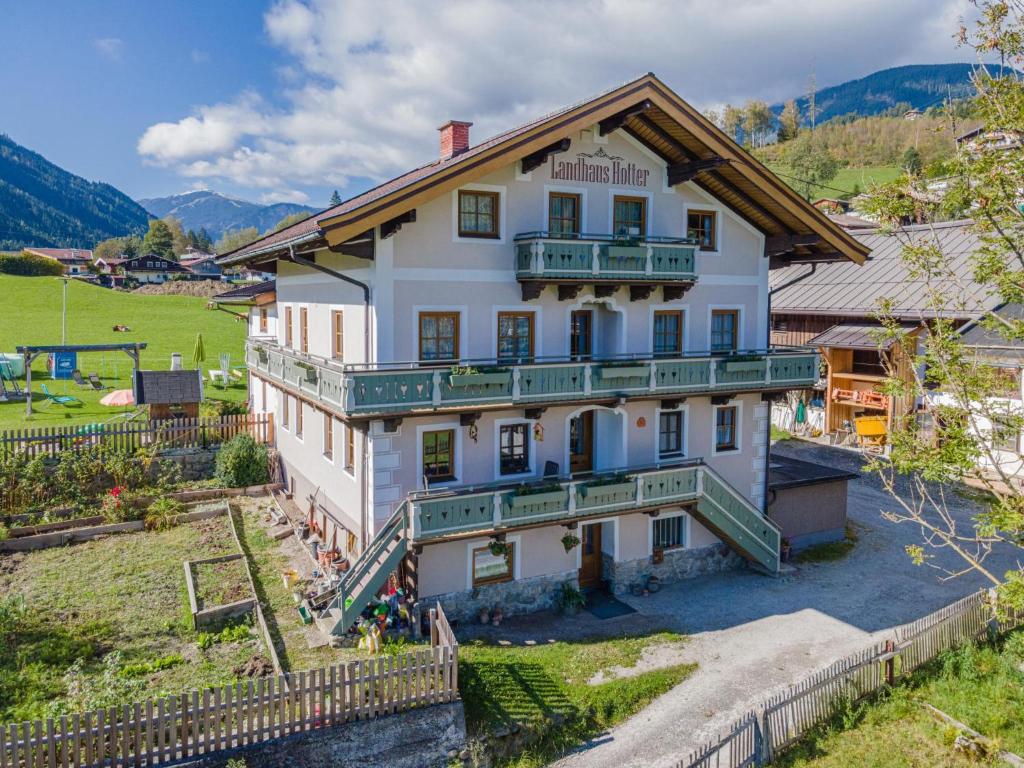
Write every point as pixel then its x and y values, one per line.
pixel 169 394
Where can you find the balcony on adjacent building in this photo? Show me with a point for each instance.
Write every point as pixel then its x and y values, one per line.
pixel 395 389
pixel 605 261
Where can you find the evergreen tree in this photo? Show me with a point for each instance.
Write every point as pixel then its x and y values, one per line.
pixel 335 198
pixel 159 239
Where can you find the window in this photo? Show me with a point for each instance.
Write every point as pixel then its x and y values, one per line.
pixel 263 319
pixel 337 335
pixel 350 449
pixel 438 455
pixel 285 406
pixel 725 428
pixel 580 334
pixel 702 227
pixel 303 329
pixel 263 395
pixel 478 214
pixel 439 335
pixel 868 361
pixel 724 325
pixel 288 326
pixel 489 568
pixel 668 333
pixel 629 216
pixel 328 437
pixel 514 449
pixel 669 532
pixel 351 543
pixel 298 417
pixel 563 214
pixel 670 434
pixel 515 337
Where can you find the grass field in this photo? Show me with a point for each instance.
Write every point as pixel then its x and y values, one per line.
pixel 31 314
pixel 848 180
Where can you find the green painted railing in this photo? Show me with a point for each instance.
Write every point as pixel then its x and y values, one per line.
pixel 409 388
pixel 484 510
pixel 540 256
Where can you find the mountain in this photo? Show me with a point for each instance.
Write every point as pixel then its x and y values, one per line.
pixel 218 213
pixel 43 205
pixel 919 85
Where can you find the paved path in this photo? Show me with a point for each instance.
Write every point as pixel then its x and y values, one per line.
pixel 752 634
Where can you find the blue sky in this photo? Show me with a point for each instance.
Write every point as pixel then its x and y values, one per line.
pixel 286 100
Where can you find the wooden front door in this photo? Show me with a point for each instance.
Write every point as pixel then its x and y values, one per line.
pixel 590 555
pixel 581 443
pixel 581 334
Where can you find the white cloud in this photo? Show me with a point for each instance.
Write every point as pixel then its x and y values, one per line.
pixel 284 196
pixel 109 47
pixel 368 83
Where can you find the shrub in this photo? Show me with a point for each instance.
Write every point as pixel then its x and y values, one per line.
pixel 29 265
pixel 213 409
pixel 161 513
pixel 242 461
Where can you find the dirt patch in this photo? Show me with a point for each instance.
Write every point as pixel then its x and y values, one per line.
pixel 202 288
pixel 654 657
pixel 257 666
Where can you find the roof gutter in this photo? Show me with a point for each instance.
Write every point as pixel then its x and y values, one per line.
pixel 289 244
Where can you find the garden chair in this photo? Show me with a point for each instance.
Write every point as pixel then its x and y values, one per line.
pixel 65 400
pixel 94 381
pixel 77 376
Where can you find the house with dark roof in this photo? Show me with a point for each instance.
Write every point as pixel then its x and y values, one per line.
pixel 537 360
pixel 150 268
pixel 258 301
pixel 75 261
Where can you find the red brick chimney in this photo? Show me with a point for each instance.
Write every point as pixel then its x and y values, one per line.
pixel 454 138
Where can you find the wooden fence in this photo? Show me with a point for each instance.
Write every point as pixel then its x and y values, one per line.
pixel 787 717
pixel 129 436
pixel 169 729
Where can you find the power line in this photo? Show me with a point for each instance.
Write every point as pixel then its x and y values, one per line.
pixel 813 183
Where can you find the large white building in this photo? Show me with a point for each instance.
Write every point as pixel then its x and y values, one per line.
pixel 559 333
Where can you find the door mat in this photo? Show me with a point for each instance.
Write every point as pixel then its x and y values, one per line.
pixel 607 607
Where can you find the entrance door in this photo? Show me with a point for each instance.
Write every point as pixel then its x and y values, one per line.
pixel 581 443
pixel 590 555
pixel 581 334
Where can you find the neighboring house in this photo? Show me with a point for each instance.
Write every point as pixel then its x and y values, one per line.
pixel 913 114
pixel 75 261
pixel 260 303
pixel 981 139
pixel 202 267
pixel 538 360
pixel 834 308
pixel 109 266
pixel 151 268
pixel 172 394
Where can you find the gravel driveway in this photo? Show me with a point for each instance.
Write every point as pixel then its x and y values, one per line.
pixel 752 634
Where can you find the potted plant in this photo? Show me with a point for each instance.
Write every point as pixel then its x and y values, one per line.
pixel 624 369
pixel 262 354
pixel 569 600
pixel 497 615
pixel 605 490
pixel 498 548
pixel 311 372
pixel 743 363
pixel 785 550
pixel 570 541
pixel 527 495
pixel 467 376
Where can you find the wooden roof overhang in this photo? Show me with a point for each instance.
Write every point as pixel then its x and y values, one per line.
pixel 694 148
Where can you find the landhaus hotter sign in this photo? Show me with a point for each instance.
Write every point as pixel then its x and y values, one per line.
pixel 600 168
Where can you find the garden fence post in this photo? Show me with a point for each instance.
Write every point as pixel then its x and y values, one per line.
pixel 890 662
pixel 762 744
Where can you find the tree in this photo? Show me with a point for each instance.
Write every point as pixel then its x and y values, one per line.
pixel 116 247
pixel 179 242
pixel 964 393
pixel 732 120
pixel 290 219
pixel 789 121
pixel 757 122
pixel 234 239
pixel 159 239
pixel 810 163
pixel 335 198
pixel 912 162
pixel 713 116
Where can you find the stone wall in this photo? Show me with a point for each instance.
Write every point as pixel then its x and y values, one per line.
pixel 195 463
pixel 520 596
pixel 420 738
pixel 678 564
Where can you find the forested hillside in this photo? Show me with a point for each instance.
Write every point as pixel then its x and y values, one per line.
pixel 41 204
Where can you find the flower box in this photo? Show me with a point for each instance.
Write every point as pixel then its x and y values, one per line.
pixel 624 371
pixel 744 366
pixel 607 492
pixel 262 354
pixel 627 251
pixel 477 379
pixel 547 497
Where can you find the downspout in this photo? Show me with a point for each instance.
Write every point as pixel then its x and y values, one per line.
pixel 768 344
pixel 364 516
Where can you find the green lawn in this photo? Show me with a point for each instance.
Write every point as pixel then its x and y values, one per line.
pixel 123 593
pixel 847 180
pixel 32 315
pixel 545 689
pixel 981 686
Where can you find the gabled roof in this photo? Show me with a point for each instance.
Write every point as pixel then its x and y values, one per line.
pixel 135 264
pixel 856 336
pixel 63 254
pixel 245 293
pixel 844 289
pixel 666 125
pixel 167 387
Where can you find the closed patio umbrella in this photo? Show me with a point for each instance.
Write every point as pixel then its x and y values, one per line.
pixel 199 353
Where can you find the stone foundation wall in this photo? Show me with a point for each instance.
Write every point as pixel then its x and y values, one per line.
pixel 679 564
pixel 430 737
pixel 520 596
pixel 195 463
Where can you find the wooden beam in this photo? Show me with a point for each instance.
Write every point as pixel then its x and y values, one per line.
pixel 776 245
pixel 619 119
pixel 360 246
pixel 569 291
pixel 391 226
pixel 469 419
pixel 640 292
pixel 604 290
pixel 680 172
pixel 538 158
pixel 534 413
pixel 531 289
pixel 823 257
pixel 673 292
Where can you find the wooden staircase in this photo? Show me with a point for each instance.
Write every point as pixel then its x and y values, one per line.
pixel 737 522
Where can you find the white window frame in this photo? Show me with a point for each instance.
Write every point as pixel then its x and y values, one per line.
pixel 284 416
pixel 344 446
pixel 517 560
pixel 456 464
pixel 323 435
pixel 741 342
pixel 530 447
pixel 300 436
pixel 668 307
pixel 664 516
pixel 714 208
pixel 684 408
pixel 738 405
pixel 502 191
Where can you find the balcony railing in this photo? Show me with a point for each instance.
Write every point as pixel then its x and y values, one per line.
pixel 396 388
pixel 495 508
pixel 543 256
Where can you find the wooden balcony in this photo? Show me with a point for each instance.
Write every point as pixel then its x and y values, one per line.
pixel 391 390
pixel 604 261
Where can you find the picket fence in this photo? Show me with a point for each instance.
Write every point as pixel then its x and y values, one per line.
pixel 130 436
pixel 165 730
pixel 787 717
